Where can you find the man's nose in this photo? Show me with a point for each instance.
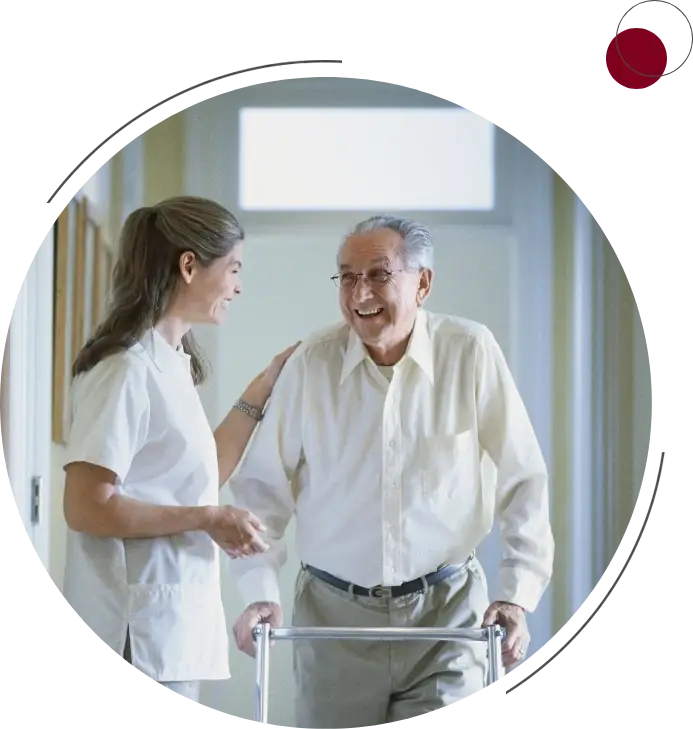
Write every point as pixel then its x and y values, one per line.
pixel 362 290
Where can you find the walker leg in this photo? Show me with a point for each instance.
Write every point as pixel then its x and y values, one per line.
pixel 262 655
pixel 494 641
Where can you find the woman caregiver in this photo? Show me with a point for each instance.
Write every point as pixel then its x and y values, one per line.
pixel 144 468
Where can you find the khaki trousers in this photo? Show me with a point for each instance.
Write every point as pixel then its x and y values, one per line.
pixel 189 689
pixel 343 683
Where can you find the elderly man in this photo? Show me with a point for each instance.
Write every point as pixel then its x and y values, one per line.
pixel 373 439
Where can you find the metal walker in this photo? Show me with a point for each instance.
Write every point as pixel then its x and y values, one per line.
pixel 263 634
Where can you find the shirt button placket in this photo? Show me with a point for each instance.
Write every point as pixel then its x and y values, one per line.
pixel 391 496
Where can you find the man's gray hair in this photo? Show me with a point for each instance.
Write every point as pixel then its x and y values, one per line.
pixel 417 243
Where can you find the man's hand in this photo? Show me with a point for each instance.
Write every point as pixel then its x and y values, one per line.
pixel 258 612
pixel 512 618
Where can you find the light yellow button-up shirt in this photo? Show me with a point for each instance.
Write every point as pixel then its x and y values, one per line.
pixel 385 478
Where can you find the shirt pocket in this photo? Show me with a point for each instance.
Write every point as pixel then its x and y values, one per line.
pixel 448 467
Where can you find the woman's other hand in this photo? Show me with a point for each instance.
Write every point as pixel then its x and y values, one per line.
pixel 271 374
pixel 260 389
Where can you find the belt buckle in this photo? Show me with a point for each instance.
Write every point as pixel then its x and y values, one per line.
pixel 380 591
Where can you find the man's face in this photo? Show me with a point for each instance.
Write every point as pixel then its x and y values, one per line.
pixel 381 305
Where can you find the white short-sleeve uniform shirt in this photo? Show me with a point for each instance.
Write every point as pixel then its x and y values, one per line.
pixel 138 414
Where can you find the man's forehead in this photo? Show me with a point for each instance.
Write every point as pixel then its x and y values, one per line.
pixel 376 247
pixel 349 261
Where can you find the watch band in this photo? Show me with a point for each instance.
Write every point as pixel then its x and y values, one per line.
pixel 253 412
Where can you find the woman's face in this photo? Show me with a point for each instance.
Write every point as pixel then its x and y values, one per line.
pixel 208 290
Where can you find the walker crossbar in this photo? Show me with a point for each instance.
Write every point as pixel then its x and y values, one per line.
pixel 263 634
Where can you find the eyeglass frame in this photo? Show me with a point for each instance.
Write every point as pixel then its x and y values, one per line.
pixel 390 275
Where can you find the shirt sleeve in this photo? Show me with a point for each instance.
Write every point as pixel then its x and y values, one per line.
pixel 263 483
pixel 522 503
pixel 110 416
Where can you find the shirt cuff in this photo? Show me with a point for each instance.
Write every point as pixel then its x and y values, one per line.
pixel 521 587
pixel 260 584
pixel 114 462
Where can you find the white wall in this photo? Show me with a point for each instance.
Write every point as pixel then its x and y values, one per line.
pixel 496 268
pixel 28 389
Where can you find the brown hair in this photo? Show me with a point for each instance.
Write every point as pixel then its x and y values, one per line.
pixel 147 271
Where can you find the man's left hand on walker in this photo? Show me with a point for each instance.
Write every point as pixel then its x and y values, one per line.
pixel 512 618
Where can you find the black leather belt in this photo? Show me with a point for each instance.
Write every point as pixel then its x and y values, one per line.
pixel 406 588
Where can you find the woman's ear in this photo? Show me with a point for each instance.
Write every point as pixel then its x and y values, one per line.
pixel 186 264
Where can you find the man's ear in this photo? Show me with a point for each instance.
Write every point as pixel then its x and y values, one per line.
pixel 425 283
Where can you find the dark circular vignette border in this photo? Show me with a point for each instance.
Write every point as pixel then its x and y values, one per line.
pixel 160 107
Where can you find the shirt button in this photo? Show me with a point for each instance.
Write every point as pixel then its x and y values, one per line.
pixel 393 443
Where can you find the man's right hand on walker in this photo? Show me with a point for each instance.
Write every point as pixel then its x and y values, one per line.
pixel 258 612
pixel 236 531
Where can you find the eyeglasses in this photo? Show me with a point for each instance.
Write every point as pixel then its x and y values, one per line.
pixel 377 277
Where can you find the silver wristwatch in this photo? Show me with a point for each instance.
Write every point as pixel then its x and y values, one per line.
pixel 253 412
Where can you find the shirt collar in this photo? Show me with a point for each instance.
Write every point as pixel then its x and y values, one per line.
pixel 163 354
pixel 419 349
